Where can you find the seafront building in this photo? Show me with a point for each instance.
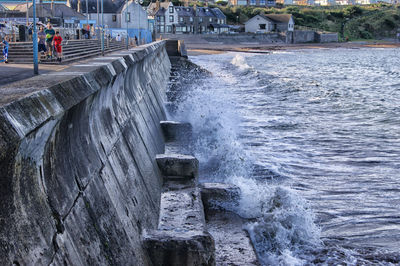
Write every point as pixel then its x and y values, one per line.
pixel 186 20
pixel 270 23
pixel 120 16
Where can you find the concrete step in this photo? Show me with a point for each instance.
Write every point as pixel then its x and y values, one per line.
pixel 174 131
pixel 232 243
pixel 68 58
pixel 219 196
pixel 181 237
pixel 178 166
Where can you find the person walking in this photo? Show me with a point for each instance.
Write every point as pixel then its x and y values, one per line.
pixel 57 45
pixel 50 32
pixel 42 42
pixel 5 49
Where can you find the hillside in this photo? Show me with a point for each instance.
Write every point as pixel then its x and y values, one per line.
pixel 352 22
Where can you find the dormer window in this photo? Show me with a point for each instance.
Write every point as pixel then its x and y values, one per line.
pixel 171 9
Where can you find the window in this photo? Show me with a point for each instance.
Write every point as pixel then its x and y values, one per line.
pixel 203 28
pixel 158 18
pixel 242 2
pixel 262 2
pixel 180 19
pixel 162 18
pixel 171 18
pixel 210 19
pixel 128 17
pixel 262 26
pixel 191 19
pixel 169 28
pixel 200 19
pixel 171 9
pixel 114 18
pixel 158 28
pixel 252 2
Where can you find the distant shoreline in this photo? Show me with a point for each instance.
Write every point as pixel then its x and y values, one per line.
pixel 203 49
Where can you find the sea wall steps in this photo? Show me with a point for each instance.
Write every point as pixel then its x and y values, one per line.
pixel 220 201
pixel 73 50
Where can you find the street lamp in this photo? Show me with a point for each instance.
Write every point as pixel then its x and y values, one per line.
pixel 139 7
pixel 35 42
pixel 127 24
pixel 102 27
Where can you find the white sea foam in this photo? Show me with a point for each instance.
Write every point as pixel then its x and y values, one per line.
pixel 282 222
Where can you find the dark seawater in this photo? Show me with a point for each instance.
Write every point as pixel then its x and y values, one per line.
pixel 312 138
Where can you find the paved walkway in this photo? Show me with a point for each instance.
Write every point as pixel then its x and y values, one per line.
pixel 15 72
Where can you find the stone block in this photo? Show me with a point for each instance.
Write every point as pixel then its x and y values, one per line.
pixel 174 131
pixel 190 248
pixel 178 166
pixel 219 196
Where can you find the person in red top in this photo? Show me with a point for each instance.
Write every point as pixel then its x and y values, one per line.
pixel 57 45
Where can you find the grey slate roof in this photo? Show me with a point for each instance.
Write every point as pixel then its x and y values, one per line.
pixel 110 6
pixel 185 11
pixel 204 12
pixel 218 13
pixel 60 10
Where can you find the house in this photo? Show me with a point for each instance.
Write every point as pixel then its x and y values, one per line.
pixel 284 2
pixel 258 3
pixel 303 2
pixel 163 14
pixel 270 22
pixel 57 13
pixel 120 16
pixel 116 12
pixel 187 20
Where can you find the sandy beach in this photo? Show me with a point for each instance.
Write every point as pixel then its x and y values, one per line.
pixel 202 48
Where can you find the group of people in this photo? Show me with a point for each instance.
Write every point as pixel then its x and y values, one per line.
pixel 50 41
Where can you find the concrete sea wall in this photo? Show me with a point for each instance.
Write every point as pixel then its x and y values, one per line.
pixel 78 178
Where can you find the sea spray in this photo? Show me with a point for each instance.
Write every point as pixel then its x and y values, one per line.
pixel 282 224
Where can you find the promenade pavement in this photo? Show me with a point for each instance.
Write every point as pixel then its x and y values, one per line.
pixel 15 72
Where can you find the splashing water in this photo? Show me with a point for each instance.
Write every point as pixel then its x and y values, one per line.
pixel 282 222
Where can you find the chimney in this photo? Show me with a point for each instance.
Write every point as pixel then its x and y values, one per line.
pixel 186 3
pixel 79 7
pixel 157 5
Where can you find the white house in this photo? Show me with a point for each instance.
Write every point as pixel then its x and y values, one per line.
pixel 270 22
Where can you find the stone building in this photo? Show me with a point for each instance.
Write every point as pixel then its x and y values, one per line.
pixel 270 23
pixel 187 20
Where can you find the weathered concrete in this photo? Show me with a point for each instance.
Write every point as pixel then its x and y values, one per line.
pixel 323 37
pixel 181 237
pixel 232 243
pixel 219 196
pixel 79 180
pixel 178 166
pixel 174 131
